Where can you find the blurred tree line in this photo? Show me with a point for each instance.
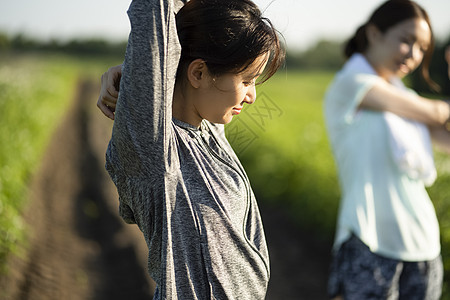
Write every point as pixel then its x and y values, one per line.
pixel 81 47
pixel 324 55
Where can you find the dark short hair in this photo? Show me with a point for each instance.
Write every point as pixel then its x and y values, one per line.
pixel 387 15
pixel 228 35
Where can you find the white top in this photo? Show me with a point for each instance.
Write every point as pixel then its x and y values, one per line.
pixel 382 203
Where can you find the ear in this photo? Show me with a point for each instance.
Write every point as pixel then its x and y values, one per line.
pixel 373 34
pixel 197 73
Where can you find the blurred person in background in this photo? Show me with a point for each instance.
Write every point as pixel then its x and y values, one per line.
pixel 184 76
pixel 387 242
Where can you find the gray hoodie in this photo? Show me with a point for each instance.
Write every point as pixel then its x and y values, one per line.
pixel 183 186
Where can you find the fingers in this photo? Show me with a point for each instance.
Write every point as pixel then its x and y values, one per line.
pixel 108 99
pixel 105 109
pixel 109 91
pixel 110 81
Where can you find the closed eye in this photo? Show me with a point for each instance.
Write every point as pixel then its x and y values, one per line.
pixel 248 83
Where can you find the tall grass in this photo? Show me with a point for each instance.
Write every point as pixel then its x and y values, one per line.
pixel 280 139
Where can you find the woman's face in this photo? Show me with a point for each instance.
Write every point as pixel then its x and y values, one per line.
pixel 225 96
pixel 401 49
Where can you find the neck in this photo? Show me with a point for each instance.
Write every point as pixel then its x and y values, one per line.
pixel 373 62
pixel 183 109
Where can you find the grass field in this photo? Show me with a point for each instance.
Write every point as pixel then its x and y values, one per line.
pixel 280 139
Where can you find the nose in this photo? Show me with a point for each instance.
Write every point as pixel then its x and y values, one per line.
pixel 250 97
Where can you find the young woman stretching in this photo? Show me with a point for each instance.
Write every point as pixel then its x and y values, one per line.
pixel 387 243
pixel 184 75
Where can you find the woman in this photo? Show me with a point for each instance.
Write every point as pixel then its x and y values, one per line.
pixel 387 240
pixel 178 178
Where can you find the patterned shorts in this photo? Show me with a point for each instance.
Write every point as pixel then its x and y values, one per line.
pixel 358 274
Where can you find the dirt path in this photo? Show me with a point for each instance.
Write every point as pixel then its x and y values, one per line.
pixel 80 249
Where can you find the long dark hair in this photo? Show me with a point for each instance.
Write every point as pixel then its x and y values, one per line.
pixel 228 35
pixel 389 14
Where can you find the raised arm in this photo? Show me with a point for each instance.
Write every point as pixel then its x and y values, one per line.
pixel 144 108
pixel 386 97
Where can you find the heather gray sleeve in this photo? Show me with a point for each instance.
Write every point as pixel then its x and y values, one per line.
pixel 144 108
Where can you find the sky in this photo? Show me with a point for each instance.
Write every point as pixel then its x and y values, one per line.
pixel 301 22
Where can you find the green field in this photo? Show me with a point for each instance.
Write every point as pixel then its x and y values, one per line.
pixel 35 92
pixel 280 139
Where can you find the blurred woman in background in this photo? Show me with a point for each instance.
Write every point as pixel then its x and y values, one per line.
pixel 387 243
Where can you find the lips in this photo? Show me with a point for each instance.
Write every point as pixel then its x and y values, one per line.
pixel 236 110
pixel 404 68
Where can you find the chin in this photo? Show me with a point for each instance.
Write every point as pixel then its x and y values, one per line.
pixel 401 74
pixel 228 119
pixel 220 121
pixel 225 121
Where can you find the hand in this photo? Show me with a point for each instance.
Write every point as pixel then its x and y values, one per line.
pixel 447 58
pixel 109 91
